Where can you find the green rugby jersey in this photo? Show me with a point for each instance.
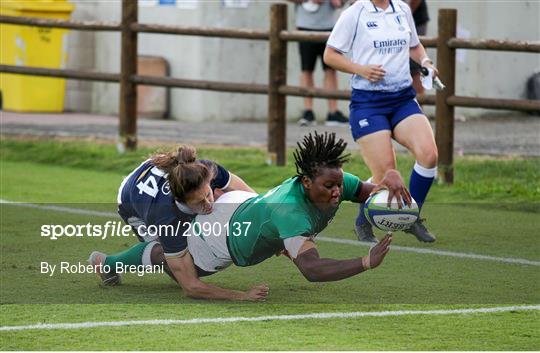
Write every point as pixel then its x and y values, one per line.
pixel 281 213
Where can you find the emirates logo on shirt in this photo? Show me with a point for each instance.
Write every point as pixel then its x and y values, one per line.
pixel 389 46
pixel 389 43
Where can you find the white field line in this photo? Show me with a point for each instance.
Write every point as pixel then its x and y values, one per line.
pixel 473 256
pixel 221 320
pixel 462 255
pixel 72 210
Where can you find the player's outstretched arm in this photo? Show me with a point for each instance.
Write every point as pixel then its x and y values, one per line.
pixel 184 271
pixel 317 269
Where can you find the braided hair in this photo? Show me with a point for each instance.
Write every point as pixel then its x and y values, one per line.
pixel 319 151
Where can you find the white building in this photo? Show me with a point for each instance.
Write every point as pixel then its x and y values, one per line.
pixel 479 73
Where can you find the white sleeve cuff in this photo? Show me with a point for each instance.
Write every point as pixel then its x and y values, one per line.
pixel 293 245
pixel 228 181
pixel 336 49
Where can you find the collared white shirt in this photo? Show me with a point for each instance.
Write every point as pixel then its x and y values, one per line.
pixel 378 37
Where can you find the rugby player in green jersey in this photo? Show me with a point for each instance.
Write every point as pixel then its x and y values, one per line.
pixel 246 228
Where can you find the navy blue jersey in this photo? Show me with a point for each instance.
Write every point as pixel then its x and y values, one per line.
pixel 145 199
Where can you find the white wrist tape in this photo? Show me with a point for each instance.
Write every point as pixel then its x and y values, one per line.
pixel 366 263
pixel 424 60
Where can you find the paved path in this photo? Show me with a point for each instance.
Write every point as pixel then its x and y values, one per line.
pixel 494 136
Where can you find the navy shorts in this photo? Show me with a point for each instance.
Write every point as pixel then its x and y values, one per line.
pixel 372 111
pixel 311 51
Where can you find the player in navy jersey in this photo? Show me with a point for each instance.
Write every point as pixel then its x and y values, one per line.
pixel 159 199
pixel 380 37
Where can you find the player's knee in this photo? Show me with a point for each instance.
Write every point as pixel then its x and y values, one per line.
pixel 156 256
pixel 330 72
pixel 428 157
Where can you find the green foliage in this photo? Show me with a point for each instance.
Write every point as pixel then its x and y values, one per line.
pixel 481 180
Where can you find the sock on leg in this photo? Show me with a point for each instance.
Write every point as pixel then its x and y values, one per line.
pixel 131 256
pixel 361 219
pixel 420 183
pixel 146 258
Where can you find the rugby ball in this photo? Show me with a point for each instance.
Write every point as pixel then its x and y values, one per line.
pixel 389 218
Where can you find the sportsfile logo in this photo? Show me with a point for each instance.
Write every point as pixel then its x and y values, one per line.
pixel 102 231
pixel 117 229
pixel 372 25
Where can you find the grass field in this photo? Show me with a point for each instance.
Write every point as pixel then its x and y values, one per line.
pixel 487 256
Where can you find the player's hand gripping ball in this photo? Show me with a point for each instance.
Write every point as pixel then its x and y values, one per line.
pixel 390 218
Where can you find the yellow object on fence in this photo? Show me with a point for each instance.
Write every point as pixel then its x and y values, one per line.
pixel 33 46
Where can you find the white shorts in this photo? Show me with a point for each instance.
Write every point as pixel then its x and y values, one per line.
pixel 207 242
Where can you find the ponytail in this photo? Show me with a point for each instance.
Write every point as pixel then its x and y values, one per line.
pixel 185 172
pixel 169 160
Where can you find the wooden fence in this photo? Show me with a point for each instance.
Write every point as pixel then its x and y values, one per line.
pixel 277 89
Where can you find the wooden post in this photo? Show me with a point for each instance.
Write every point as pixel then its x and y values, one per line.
pixel 128 90
pixel 277 77
pixel 444 121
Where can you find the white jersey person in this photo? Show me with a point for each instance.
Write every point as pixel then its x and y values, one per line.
pixel 319 16
pixel 379 37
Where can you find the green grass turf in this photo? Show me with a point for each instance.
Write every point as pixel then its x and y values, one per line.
pixel 502 221
pixel 453 280
pixel 500 331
